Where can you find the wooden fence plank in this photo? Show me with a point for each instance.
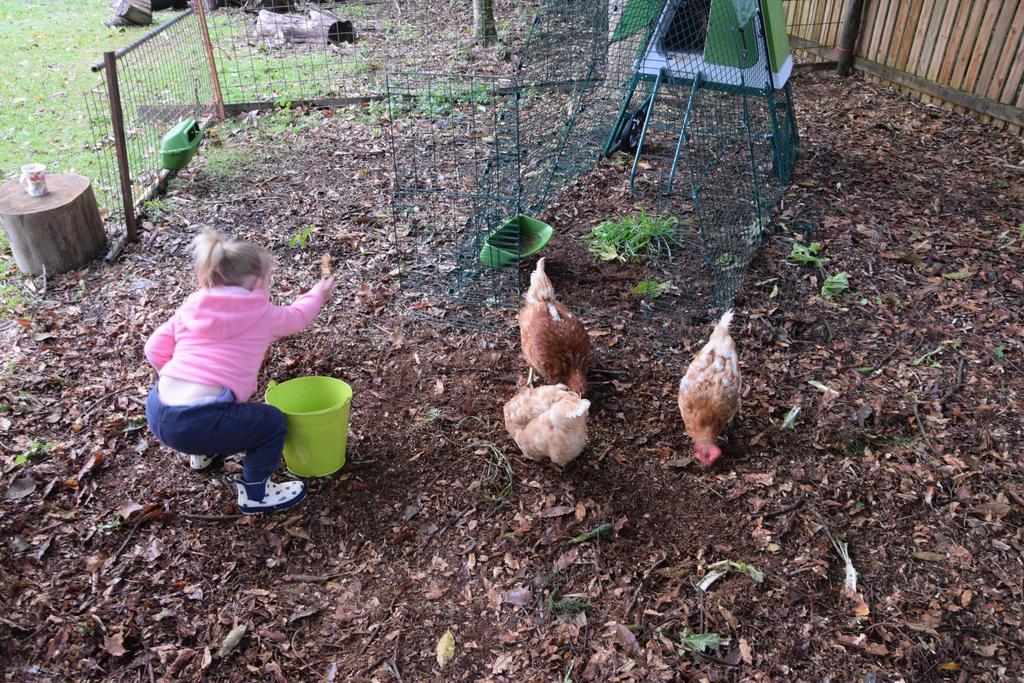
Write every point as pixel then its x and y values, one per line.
pixel 892 7
pixel 868 28
pixel 944 30
pixel 933 35
pixel 997 42
pixel 924 37
pixel 820 37
pixel 834 20
pixel 836 25
pixel 963 58
pixel 1016 76
pixel 805 14
pixel 1011 49
pixel 879 28
pixel 955 38
pixel 887 31
pixel 910 30
pixel 892 42
pixel 826 8
pixel 982 46
pixel 821 16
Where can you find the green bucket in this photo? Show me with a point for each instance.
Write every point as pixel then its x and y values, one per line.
pixel 316 409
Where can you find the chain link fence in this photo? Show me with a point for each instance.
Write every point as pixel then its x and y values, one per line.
pixel 269 53
pixel 159 80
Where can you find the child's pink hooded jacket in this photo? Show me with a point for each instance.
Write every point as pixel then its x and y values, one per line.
pixel 219 336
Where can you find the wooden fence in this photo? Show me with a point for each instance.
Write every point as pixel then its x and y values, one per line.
pixel 962 54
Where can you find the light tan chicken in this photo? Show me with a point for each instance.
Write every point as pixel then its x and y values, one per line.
pixel 709 393
pixel 553 340
pixel 548 423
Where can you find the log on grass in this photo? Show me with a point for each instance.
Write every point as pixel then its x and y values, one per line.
pixel 321 27
pixel 57 232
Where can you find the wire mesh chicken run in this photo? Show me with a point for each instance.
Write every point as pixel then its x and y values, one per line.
pixel 695 91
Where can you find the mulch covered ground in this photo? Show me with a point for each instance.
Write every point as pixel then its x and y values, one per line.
pixel 119 564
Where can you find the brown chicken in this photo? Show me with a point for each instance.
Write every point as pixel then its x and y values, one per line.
pixel 709 393
pixel 553 339
pixel 548 423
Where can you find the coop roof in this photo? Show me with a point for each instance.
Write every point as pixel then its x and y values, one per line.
pixel 641 14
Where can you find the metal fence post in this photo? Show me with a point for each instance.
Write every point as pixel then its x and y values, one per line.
pixel 120 143
pixel 200 7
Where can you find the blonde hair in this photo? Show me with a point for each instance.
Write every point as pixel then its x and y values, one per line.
pixel 228 263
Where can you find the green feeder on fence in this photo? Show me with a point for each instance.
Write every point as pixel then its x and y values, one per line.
pixel 179 145
pixel 515 240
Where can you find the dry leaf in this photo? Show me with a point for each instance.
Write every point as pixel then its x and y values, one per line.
pixel 126 510
pixel 745 653
pixel 445 648
pixel 20 488
pixel 519 597
pixel 90 464
pixel 501 664
pixel 114 645
pixel 566 560
pixel 183 658
pixel 303 613
pixel 623 636
pixel 94 562
pixel 231 640
pixel 729 617
pixel 860 608
pixel 556 511
pixel 987 650
pixel 928 556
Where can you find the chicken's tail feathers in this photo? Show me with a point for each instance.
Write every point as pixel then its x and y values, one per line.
pixel 720 340
pixel 541 288
pixel 569 406
pixel 722 327
pixel 579 410
pixel 725 321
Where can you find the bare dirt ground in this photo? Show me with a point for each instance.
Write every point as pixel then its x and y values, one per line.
pixel 119 564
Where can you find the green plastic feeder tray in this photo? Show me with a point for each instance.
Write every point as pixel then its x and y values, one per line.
pixel 518 238
pixel 180 144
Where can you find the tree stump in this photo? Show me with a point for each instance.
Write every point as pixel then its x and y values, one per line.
pixel 57 232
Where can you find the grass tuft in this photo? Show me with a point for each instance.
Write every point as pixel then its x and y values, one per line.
pixel 634 237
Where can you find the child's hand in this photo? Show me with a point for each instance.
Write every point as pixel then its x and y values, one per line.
pixel 325 287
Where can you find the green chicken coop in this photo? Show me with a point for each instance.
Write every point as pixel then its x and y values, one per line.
pixel 696 91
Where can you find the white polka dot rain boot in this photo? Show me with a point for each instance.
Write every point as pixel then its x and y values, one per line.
pixel 268 496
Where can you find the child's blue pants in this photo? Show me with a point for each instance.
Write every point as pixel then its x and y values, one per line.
pixel 222 427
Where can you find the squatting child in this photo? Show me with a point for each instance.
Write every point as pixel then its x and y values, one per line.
pixel 208 356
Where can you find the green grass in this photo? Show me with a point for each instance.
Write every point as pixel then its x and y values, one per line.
pixel 633 237
pixel 250 73
pixel 46 50
pixel 225 165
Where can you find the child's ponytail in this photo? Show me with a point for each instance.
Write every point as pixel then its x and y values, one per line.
pixel 221 263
